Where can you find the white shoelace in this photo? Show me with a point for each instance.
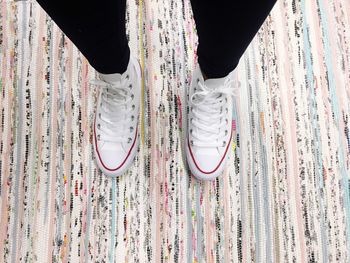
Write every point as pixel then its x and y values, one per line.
pixel 116 114
pixel 208 113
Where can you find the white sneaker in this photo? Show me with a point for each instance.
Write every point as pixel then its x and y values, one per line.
pixel 116 135
pixel 209 129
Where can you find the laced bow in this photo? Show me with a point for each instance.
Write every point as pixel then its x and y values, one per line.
pixel 115 97
pixel 207 108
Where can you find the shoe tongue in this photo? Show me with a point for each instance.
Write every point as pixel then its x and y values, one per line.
pixel 115 77
pixel 214 83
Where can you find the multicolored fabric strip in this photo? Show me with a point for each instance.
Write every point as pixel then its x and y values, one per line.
pixel 284 196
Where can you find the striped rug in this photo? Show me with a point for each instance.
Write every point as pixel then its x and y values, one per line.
pixel 284 196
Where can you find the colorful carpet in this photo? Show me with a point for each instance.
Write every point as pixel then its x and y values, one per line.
pixel 284 196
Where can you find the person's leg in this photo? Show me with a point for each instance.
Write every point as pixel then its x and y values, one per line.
pixel 96 28
pixel 225 28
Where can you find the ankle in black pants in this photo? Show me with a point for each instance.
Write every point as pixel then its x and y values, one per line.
pixel 97 28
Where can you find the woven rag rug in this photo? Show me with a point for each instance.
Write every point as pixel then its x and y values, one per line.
pixel 284 195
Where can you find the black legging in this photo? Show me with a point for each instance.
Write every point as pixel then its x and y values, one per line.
pixel 97 28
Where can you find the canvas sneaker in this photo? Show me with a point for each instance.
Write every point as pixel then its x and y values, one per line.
pixel 115 130
pixel 209 128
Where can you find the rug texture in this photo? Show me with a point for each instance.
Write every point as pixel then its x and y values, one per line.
pixel 284 195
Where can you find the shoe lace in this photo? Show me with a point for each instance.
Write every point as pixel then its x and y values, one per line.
pixel 207 108
pixel 115 115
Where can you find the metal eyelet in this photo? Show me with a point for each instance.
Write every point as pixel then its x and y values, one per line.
pixel 132 96
pixel 223 143
pixel 133 106
pixel 130 86
pixel 98 126
pixel 129 140
pixel 197 80
pixel 226 121
pixel 98 137
pixel 191 131
pixel 226 131
pixel 132 117
pixel 131 128
pixel 127 76
pixel 191 142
